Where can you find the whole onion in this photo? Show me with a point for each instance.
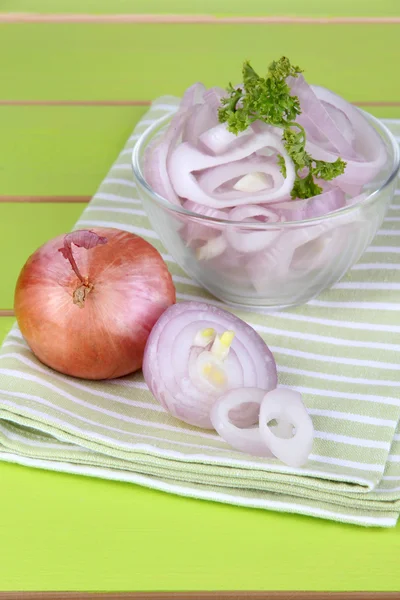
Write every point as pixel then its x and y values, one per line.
pixel 86 301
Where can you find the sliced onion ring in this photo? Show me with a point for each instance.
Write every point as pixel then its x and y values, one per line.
pixel 317 119
pixel 222 176
pixel 331 199
pixel 195 230
pixel 156 164
pixel 185 160
pixel 213 97
pixel 370 149
pixel 245 439
pixel 219 139
pixel 252 240
pixel 200 119
pixel 286 405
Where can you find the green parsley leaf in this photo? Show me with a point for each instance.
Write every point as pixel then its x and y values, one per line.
pixel 282 164
pixel 328 171
pixel 305 187
pixel 268 99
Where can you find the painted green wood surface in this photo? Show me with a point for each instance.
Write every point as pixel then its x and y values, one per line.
pixel 5 326
pixel 60 150
pixel 124 61
pixel 67 532
pixel 220 7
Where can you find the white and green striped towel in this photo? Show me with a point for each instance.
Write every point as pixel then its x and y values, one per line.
pixel 341 351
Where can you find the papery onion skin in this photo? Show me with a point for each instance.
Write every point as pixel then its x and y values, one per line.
pixel 106 337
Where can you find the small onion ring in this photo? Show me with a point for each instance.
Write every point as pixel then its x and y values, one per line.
pixel 252 240
pixel 287 405
pixel 246 439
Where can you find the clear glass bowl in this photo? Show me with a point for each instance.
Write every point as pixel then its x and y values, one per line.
pixel 303 258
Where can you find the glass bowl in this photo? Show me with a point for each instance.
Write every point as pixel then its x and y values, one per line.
pixel 303 258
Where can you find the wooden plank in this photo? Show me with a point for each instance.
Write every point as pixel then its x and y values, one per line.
pixel 124 62
pixel 5 325
pixel 285 595
pixel 64 532
pixel 46 199
pixel 237 7
pixel 88 103
pixel 60 151
pixel 196 19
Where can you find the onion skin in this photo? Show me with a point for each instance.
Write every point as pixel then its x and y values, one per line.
pixel 105 337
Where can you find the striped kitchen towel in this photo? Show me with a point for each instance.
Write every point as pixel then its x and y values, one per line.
pixel 340 350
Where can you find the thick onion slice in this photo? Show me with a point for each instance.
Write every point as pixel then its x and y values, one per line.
pixel 156 164
pixel 201 118
pixel 299 210
pixel 219 139
pixel 185 160
pixel 303 248
pixel 212 248
pixel 285 429
pixel 245 401
pixel 370 150
pixel 229 176
pixel 196 352
pixel 196 230
pixel 342 122
pixel 317 120
pixel 247 240
pixel 192 96
pixel 213 97
pixel 287 406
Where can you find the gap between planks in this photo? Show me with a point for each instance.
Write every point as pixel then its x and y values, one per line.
pixel 76 102
pixel 145 103
pixel 191 19
pixel 46 199
pixel 273 595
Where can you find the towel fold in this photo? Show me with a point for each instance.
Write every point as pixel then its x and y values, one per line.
pixel 340 350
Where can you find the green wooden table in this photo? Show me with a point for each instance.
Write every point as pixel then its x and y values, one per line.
pixel 62 123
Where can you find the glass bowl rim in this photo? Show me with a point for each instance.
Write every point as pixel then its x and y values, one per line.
pixel 164 203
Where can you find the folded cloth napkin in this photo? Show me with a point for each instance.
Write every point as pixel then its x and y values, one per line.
pixel 340 350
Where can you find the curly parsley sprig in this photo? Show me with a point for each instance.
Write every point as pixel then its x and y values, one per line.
pixel 268 99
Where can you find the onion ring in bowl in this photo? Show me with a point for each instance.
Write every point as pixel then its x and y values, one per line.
pixel 185 160
pixel 246 240
pixel 370 149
